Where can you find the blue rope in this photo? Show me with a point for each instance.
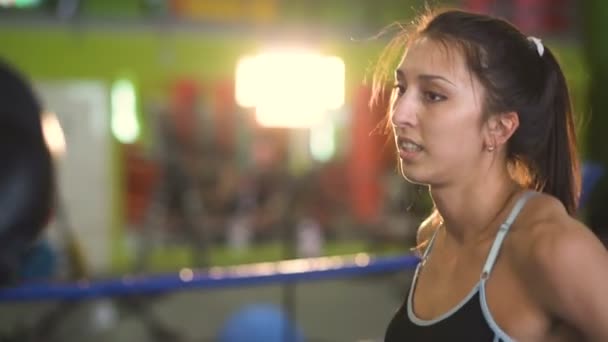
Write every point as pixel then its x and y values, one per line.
pixel 215 277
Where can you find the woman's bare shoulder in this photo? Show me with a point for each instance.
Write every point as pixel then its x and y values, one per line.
pixel 543 217
pixel 562 264
pixel 539 212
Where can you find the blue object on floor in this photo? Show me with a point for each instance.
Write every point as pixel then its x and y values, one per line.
pixel 39 263
pixel 260 322
pixel 592 172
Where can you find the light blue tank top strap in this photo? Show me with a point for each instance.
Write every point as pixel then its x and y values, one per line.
pixel 500 334
pixel 502 233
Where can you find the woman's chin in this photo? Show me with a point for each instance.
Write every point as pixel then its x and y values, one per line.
pixel 413 177
pixel 414 174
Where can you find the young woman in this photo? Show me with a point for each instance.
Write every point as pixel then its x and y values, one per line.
pixel 481 115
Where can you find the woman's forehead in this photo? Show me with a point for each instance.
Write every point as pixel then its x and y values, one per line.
pixel 428 56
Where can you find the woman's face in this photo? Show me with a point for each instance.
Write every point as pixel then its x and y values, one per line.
pixel 437 115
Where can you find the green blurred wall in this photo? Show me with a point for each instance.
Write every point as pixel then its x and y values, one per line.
pixel 153 57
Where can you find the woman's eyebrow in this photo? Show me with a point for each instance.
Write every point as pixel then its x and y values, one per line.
pixel 400 75
pixel 435 77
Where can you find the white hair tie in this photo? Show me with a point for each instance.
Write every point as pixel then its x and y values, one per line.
pixel 539 45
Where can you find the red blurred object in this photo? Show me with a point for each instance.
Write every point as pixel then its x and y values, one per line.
pixel 142 175
pixel 366 163
pixel 478 6
pixel 542 16
pixel 184 106
pixel 224 113
pixel 531 16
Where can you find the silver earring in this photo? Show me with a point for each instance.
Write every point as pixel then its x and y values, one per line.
pixel 491 148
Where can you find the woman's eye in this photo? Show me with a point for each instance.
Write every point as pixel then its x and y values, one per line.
pixel 433 97
pixel 399 89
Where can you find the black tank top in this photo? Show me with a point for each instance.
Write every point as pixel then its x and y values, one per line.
pixel 471 319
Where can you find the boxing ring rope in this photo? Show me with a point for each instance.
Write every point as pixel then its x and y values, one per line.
pixel 267 273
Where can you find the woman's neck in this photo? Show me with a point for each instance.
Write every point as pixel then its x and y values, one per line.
pixel 470 210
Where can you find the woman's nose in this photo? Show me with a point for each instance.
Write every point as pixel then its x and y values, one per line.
pixel 404 111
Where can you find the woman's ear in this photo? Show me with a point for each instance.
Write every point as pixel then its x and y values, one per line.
pixel 500 128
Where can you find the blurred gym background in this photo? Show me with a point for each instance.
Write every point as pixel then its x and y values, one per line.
pixel 191 134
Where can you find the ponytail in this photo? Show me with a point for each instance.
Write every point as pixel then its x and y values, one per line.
pixel 555 166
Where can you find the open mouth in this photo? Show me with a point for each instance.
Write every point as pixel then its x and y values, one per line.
pixel 407 145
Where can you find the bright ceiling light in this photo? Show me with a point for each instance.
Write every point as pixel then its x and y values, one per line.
pixel 290 88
